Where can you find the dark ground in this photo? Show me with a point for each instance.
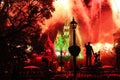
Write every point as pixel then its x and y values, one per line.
pixel 83 74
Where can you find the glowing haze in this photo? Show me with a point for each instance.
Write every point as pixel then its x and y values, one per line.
pixel 97 20
pixel 115 6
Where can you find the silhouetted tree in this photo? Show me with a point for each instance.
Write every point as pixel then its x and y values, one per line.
pixel 20 25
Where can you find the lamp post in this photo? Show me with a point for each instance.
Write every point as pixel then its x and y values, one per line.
pixel 74 49
pixel 61 51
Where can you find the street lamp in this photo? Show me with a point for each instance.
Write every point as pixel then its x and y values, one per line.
pixel 74 49
pixel 73 24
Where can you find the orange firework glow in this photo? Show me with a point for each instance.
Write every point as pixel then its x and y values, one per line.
pixel 97 21
pixel 115 6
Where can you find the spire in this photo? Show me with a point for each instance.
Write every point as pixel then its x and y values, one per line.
pixel 73 21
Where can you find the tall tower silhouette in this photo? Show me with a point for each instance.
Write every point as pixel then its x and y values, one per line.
pixel 62 39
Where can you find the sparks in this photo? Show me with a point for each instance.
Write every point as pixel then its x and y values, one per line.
pixel 115 5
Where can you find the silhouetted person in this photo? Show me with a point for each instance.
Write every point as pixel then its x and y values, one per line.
pixel 89 51
pixel 97 58
pixel 98 63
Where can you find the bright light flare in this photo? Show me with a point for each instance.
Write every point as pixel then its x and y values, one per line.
pixel 63 54
pixel 104 47
pixel 115 5
pixel 108 47
pixel 62 4
pixel 1 4
pixel 61 14
pixel 29 48
pixel 97 47
pixel 63 9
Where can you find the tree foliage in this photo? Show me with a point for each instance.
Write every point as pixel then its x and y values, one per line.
pixel 20 24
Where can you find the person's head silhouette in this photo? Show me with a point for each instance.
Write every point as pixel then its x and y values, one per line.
pixel 88 43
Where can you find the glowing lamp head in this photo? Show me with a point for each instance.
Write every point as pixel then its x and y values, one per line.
pixel 73 24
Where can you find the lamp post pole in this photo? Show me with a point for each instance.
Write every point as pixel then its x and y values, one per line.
pixel 74 49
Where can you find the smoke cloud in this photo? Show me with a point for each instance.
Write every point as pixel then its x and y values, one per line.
pixel 97 19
